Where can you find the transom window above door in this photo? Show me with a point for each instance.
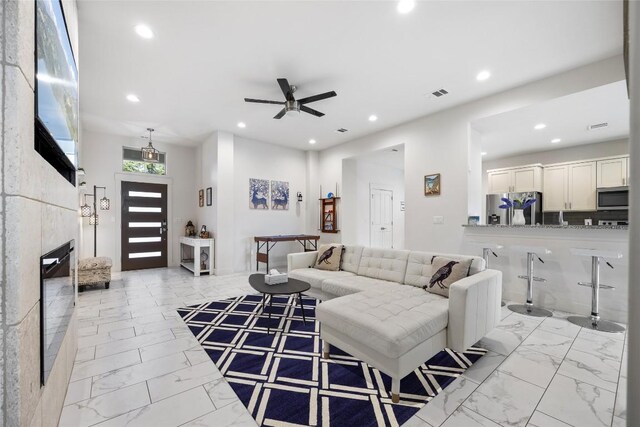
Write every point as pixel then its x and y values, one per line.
pixel 132 162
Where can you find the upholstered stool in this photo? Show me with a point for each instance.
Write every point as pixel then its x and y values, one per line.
pixel 94 271
pixel 528 308
pixel 593 321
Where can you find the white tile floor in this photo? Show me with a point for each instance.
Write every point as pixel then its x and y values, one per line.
pixel 138 364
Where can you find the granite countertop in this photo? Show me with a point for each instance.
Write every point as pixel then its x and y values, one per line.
pixel 570 227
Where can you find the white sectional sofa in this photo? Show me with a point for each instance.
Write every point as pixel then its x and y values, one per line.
pixel 375 309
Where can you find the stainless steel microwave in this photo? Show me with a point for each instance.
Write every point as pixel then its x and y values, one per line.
pixel 613 198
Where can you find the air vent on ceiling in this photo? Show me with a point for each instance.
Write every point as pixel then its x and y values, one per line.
pixel 440 92
pixel 341 130
pixel 598 126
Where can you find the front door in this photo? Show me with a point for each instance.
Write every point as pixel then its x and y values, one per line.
pixel 144 225
pixel 381 218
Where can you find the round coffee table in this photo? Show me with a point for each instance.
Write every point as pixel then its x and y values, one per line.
pixel 291 287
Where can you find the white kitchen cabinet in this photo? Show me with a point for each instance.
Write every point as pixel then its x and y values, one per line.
pixel 613 172
pixel 556 188
pixel 570 187
pixel 526 178
pixel 582 186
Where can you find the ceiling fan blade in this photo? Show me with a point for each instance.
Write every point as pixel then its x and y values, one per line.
pixel 263 101
pixel 280 114
pixel 286 89
pixel 319 97
pixel 311 111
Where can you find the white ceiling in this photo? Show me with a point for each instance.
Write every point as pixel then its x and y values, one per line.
pixel 566 118
pixel 208 55
pixel 392 157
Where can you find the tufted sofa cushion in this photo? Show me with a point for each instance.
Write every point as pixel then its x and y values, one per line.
pixel 350 285
pixel 385 264
pixel 351 258
pixel 314 277
pixel 390 322
pixel 420 269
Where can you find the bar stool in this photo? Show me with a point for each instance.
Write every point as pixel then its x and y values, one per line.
pixel 489 248
pixel 593 321
pixel 528 308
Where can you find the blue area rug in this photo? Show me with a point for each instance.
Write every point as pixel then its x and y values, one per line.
pixel 282 379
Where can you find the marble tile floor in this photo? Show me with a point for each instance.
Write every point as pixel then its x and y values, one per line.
pixel 139 365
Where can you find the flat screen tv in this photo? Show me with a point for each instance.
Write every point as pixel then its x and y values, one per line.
pixel 56 88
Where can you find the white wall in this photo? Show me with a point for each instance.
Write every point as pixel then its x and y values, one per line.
pixel 439 143
pixel 358 177
pixel 102 160
pixel 255 159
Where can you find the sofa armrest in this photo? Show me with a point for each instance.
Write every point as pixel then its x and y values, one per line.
pixel 474 308
pixel 301 260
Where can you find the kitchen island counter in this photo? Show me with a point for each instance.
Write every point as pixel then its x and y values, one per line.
pixel 554 226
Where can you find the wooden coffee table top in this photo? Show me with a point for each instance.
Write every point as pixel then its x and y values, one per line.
pixel 292 286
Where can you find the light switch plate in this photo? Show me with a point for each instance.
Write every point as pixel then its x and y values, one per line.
pixel 438 219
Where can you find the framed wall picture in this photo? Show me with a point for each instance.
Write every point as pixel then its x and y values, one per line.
pixel 279 195
pixel 209 196
pixel 432 185
pixel 201 198
pixel 258 193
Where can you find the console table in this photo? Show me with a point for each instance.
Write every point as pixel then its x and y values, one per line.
pixel 190 250
pixel 308 242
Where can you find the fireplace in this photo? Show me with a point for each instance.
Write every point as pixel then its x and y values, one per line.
pixel 57 300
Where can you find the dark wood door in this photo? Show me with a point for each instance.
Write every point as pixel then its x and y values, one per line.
pixel 144 225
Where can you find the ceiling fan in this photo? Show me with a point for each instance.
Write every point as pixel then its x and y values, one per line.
pixel 291 105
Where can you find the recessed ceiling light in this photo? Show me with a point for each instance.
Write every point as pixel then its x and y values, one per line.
pixel 406 6
pixel 373 118
pixel 483 75
pixel 144 31
pixel 555 140
pixel 242 125
pixel 540 126
pixel 484 153
pixel 312 141
pixel 132 98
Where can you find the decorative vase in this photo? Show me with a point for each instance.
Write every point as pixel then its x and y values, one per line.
pixel 518 217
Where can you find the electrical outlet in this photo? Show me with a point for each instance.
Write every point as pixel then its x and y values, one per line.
pixel 438 219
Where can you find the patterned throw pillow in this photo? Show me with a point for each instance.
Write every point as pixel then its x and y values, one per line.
pixel 329 257
pixel 446 272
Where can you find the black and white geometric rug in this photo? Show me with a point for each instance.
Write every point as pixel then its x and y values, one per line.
pixel 282 379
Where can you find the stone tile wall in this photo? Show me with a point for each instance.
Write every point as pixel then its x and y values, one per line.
pixel 38 212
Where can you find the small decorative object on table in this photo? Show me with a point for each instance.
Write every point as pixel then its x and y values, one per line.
pixel 275 277
pixel 189 229
pixel 204 234
pixel 518 206
pixel 473 220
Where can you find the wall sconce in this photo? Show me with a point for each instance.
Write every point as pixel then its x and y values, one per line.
pixel 299 195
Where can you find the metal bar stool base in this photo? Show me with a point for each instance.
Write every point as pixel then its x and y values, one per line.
pixel 600 325
pixel 502 303
pixel 530 311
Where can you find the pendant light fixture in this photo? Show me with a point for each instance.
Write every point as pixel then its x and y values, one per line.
pixel 150 154
pixel 85 210
pixel 105 203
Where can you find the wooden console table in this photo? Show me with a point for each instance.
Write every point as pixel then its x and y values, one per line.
pixel 190 258
pixel 270 242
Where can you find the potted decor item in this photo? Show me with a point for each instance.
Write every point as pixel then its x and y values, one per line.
pixel 190 230
pixel 518 206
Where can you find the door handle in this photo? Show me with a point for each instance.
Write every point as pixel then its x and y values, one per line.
pixel 383 228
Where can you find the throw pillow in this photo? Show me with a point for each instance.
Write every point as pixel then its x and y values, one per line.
pixel 446 271
pixel 329 257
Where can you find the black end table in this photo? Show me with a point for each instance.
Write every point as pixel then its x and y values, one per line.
pixel 292 286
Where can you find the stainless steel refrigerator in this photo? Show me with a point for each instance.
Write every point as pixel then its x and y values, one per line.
pixel 495 215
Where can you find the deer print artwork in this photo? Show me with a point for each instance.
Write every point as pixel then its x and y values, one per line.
pixel 279 195
pixel 258 193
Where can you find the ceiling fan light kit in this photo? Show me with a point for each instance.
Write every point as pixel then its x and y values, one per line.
pixel 291 106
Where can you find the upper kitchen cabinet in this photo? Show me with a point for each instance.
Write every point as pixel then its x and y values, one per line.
pixel 515 180
pixel 613 172
pixel 570 187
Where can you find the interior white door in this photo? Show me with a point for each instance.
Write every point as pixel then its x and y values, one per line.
pixel 381 218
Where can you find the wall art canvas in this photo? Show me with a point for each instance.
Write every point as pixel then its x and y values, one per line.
pixel 209 196
pixel 201 198
pixel 258 193
pixel 432 185
pixel 279 195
